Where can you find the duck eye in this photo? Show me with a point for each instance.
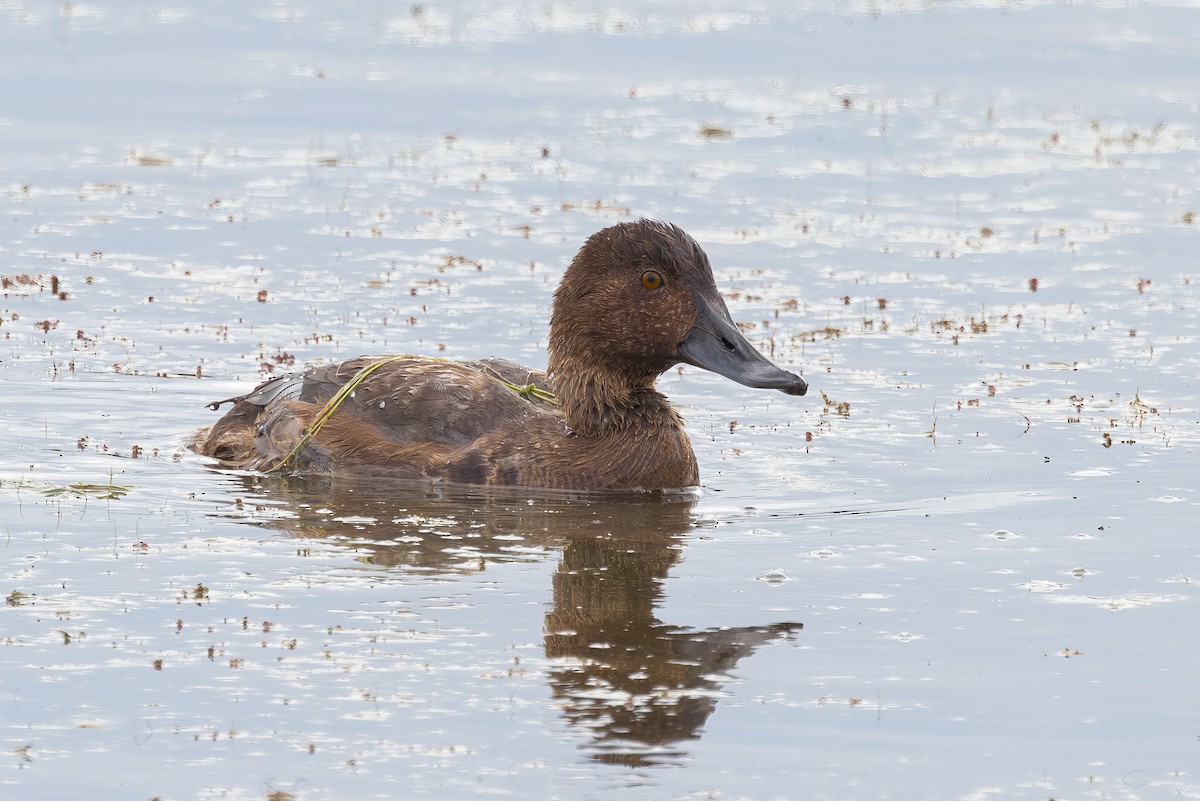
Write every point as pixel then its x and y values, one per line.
pixel 651 279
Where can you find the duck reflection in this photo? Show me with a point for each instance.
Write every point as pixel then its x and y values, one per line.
pixel 639 686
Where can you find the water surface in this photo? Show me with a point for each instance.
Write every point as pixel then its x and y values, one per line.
pixel 960 568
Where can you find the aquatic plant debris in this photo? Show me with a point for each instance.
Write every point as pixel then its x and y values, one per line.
pixel 345 391
pixel 84 489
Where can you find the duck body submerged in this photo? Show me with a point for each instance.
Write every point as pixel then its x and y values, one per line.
pixel 637 299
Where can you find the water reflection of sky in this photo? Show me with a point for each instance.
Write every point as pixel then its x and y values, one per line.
pixel 972 226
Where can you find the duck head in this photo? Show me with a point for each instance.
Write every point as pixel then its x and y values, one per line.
pixel 639 298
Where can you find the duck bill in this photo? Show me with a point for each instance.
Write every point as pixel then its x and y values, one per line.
pixel 716 344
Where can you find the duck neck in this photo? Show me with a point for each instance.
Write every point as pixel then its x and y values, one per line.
pixel 598 402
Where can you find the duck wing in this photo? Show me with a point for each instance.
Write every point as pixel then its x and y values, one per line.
pixel 396 409
pixel 285 386
pixel 419 399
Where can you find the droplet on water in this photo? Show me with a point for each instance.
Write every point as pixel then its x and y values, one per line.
pixel 775 577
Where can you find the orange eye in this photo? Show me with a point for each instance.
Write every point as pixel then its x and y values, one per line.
pixel 652 279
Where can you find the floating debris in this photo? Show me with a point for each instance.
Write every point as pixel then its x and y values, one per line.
pixel 81 489
pixel 715 132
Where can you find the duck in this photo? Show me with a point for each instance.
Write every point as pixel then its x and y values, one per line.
pixel 637 299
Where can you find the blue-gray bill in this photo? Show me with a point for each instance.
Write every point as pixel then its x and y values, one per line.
pixel 715 343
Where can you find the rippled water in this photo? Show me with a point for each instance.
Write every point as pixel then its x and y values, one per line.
pixel 961 568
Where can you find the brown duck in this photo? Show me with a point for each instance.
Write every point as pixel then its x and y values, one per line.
pixel 637 299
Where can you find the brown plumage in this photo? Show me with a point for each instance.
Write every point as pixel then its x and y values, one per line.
pixel 638 298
